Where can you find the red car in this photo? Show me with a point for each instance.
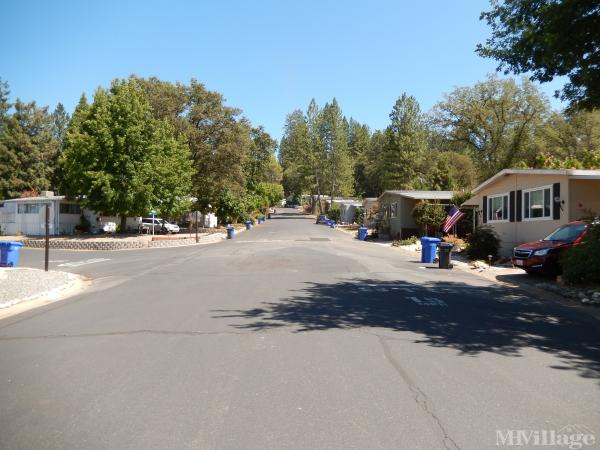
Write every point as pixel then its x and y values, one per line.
pixel 543 256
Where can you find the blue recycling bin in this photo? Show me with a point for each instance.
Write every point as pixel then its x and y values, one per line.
pixel 322 218
pixel 230 232
pixel 248 225
pixel 428 248
pixel 9 253
pixel 332 224
pixel 362 233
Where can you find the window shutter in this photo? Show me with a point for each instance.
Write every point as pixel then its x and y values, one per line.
pixel 511 206
pixel 556 194
pixel 519 206
pixel 485 206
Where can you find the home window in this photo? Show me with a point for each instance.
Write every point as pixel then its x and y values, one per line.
pixel 70 208
pixel 29 208
pixel 537 203
pixel 394 210
pixel 498 208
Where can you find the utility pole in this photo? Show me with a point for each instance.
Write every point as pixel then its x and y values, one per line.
pixel 47 252
pixel 196 226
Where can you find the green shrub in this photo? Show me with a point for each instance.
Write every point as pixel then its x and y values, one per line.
pixel 482 242
pixel 460 197
pixel 229 207
pixel 581 263
pixel 334 213
pixel 428 215
pixel 359 216
pixel 84 225
pixel 408 241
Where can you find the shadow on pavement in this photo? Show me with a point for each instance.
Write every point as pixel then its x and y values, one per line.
pixel 280 215
pixel 471 319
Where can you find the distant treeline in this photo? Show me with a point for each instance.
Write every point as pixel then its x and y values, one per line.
pixel 473 133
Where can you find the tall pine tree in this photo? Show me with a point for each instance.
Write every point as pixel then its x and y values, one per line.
pixel 28 149
pixel 406 142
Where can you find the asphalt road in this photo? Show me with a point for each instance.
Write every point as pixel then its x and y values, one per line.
pixel 291 336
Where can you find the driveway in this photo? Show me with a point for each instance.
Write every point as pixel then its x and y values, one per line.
pixel 291 336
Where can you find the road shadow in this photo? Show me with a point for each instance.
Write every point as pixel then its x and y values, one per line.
pixel 470 319
pixel 284 215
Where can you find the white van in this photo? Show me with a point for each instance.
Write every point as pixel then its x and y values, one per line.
pixel 159 225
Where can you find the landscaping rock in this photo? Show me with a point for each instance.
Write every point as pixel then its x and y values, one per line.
pixel 20 284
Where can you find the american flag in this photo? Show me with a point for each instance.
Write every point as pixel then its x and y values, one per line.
pixel 454 215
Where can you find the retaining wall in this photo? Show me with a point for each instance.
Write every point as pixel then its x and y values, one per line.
pixel 75 244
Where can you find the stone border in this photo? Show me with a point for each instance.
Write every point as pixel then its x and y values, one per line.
pixel 75 244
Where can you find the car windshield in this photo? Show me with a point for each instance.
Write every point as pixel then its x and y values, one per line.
pixel 567 233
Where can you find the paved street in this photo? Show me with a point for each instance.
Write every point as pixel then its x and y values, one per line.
pixel 291 336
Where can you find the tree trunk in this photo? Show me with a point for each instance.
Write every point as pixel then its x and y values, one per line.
pixel 123 224
pixel 318 195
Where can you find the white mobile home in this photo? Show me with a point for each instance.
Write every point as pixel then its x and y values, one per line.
pixel 27 216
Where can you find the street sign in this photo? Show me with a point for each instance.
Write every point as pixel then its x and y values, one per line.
pixel 152 212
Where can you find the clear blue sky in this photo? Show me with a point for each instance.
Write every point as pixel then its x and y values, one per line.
pixel 266 57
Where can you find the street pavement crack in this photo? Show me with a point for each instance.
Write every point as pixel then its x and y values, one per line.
pixel 419 396
pixel 124 333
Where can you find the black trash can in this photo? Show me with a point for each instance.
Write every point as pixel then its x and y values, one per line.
pixel 444 250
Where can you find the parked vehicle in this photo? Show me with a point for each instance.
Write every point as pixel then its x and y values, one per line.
pixel 543 256
pixel 159 225
pixel 109 227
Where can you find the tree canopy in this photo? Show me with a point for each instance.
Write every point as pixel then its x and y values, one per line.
pixel 119 160
pixel 548 38
pixel 496 121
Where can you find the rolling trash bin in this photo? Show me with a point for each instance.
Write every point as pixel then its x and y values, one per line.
pixel 9 253
pixel 445 250
pixel 230 232
pixel 362 233
pixel 248 225
pixel 428 247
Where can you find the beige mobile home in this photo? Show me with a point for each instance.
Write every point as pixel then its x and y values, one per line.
pixel 527 205
pixel 395 208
